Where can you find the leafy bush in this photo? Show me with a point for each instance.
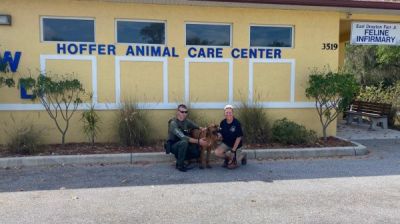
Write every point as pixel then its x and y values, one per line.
pixel 133 125
pixel 288 132
pixel 373 64
pixel 376 94
pixel 382 94
pixel 331 93
pixel 24 138
pixel 91 121
pixel 59 95
pixel 255 124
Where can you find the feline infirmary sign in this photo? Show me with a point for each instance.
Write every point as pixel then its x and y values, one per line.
pixel 368 33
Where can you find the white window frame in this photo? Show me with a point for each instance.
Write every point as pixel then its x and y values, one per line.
pixel 266 104
pixel 208 105
pixel 210 46
pixel 140 20
pixel 278 26
pixel 66 18
pixel 161 105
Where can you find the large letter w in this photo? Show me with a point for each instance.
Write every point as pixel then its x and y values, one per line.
pixel 8 59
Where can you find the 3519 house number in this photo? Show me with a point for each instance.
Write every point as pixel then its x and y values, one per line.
pixel 329 46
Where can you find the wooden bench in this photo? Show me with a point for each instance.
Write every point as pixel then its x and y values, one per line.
pixel 376 112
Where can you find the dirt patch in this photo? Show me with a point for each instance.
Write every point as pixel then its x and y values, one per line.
pixel 110 148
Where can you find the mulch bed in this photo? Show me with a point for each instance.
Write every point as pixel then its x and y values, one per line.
pixel 331 142
pixel 109 148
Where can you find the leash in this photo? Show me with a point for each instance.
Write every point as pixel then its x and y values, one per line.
pixel 234 160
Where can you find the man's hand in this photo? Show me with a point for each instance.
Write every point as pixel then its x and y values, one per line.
pixel 203 142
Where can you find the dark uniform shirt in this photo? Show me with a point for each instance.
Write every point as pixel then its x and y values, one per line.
pixel 230 132
pixel 180 130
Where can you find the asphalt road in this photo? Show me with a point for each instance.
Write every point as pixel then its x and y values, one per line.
pixel 337 190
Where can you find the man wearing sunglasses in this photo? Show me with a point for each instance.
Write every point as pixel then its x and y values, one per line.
pixel 182 145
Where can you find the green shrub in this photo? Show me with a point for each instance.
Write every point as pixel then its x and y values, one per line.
pixel 91 122
pixel 133 125
pixel 255 124
pixel 331 92
pixel 377 94
pixel 288 132
pixel 382 94
pixel 373 64
pixel 24 138
pixel 60 95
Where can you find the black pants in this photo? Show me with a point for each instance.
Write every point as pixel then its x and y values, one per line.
pixel 183 150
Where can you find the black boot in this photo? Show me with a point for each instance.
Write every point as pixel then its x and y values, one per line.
pixel 244 159
pixel 225 164
pixel 181 168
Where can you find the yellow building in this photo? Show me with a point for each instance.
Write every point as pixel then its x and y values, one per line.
pixel 164 52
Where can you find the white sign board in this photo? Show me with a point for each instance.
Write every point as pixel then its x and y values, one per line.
pixel 368 33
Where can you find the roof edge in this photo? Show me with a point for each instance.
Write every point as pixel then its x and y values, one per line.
pixel 322 3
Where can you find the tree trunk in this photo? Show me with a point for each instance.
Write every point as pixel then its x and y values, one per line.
pixel 92 139
pixel 63 139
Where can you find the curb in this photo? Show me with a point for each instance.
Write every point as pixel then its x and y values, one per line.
pixel 297 153
pixel 291 153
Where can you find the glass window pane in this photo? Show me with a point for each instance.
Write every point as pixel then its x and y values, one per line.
pixel 74 30
pixel 264 36
pixel 208 35
pixel 140 32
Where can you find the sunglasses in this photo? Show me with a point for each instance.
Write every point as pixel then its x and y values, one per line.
pixel 183 111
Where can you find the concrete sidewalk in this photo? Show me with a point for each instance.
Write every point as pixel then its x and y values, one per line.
pixel 362 132
pixel 286 153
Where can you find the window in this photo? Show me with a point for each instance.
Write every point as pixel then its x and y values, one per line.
pixel 140 32
pixel 208 34
pixel 271 36
pixel 69 30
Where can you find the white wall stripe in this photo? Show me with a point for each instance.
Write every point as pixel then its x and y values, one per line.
pixel 186 81
pixel 160 106
pixel 94 81
pixel 117 75
pixel 292 80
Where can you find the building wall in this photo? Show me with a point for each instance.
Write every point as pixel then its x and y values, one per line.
pixel 280 84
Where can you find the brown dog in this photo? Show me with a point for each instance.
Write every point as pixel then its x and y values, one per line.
pixel 211 136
